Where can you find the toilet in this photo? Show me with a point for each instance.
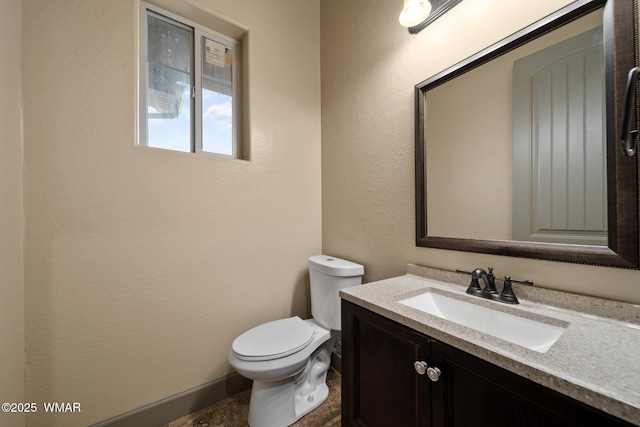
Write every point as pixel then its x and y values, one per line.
pixel 288 359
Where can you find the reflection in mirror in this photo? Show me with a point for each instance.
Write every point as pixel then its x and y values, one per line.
pixel 513 145
pixel 559 151
pixel 538 77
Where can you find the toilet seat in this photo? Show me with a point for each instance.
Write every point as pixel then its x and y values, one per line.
pixel 273 340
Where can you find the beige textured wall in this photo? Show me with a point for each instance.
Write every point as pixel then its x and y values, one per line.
pixel 142 265
pixel 12 354
pixel 370 65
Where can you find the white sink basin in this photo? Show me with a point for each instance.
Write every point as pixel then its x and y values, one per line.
pixel 528 333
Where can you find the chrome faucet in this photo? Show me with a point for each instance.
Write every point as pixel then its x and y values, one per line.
pixel 489 291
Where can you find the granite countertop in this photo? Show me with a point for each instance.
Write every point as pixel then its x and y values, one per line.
pixel 595 361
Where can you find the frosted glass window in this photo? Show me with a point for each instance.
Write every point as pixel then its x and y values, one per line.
pixel 190 87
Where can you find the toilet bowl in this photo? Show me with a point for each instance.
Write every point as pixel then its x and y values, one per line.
pixel 288 359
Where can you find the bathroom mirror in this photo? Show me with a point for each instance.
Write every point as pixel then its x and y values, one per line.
pixel 489 180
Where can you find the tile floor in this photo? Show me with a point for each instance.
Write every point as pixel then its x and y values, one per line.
pixel 233 411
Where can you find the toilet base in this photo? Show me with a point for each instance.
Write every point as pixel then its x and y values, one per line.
pixel 282 403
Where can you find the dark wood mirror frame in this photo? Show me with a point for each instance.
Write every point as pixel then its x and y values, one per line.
pixel 620 47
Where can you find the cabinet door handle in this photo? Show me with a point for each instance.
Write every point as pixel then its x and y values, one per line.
pixel 433 373
pixel 420 367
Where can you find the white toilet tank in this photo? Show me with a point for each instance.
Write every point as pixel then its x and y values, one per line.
pixel 328 275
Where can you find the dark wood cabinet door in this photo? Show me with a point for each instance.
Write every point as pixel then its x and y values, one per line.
pixel 475 393
pixel 380 386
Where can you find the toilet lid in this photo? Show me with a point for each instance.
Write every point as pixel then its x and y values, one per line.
pixel 273 340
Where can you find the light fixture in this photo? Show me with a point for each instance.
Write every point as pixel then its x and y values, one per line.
pixel 417 14
pixel 414 12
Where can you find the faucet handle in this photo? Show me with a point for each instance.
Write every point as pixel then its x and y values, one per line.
pixel 524 282
pixel 507 294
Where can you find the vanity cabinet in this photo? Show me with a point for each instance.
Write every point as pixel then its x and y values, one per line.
pixel 381 385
